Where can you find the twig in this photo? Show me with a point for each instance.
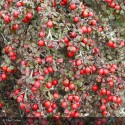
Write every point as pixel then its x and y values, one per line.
pixel 80 54
pixel 50 36
pixel 4 38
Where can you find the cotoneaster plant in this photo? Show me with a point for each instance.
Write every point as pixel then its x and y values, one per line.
pixel 64 58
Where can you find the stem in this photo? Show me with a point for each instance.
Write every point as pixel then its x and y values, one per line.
pixel 31 74
pixel 80 54
pixel 67 27
pixel 4 38
pixel 50 35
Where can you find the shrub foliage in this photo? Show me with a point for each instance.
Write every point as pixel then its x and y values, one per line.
pixel 62 58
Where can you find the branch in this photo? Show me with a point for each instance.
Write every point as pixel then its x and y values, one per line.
pixel 50 36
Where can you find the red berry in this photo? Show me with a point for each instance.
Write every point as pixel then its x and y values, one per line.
pixel 103 91
pixel 72 114
pixel 122 43
pixel 118 100
pixel 108 1
pixel 105 113
pixel 47 103
pixel 100 28
pixel 49 59
pixel 85 40
pixel 84 29
pixel 110 43
pixel 93 68
pixel 111 84
pixel 39 60
pixel 101 71
pixel 76 19
pixel 55 82
pixel 66 40
pixel 39 9
pixel 96 50
pixel 50 69
pixel 82 71
pixel 102 107
pixel 93 22
pixel 89 29
pixel 63 3
pixel 91 14
pixel 42 34
pixel 13 58
pixel 72 6
pixel 41 78
pixel 112 4
pixel 64 104
pixel 45 71
pixel 72 49
pixel 33 89
pixel 70 54
pixel 114 46
pixel 66 83
pixel 104 101
pixel 54 105
pixel 20 98
pixel 70 97
pixel 76 98
pixel 25 20
pixel 35 107
pixel 7 19
pixel 54 4
pixel 49 110
pixel 114 66
pixel 1 104
pixel 37 114
pixel 95 88
pixel 4 68
pixel 56 95
pixel 73 35
pixel 71 86
pixel 22 106
pixel 87 70
pixel 108 93
pixel 15 27
pixel 117 7
pixel 74 106
pixel 19 4
pixel 9 70
pixel 49 85
pixel 16 13
pixel 12 54
pixel 29 16
pixel 78 62
pixel 17 91
pixel 114 98
pixel 27 111
pixel 110 98
pixel 41 43
pixel 85 14
pixel 9 1
pixel 57 117
pixel 112 70
pixel 49 24
pixel 4 76
pixel 37 84
pixel 105 71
